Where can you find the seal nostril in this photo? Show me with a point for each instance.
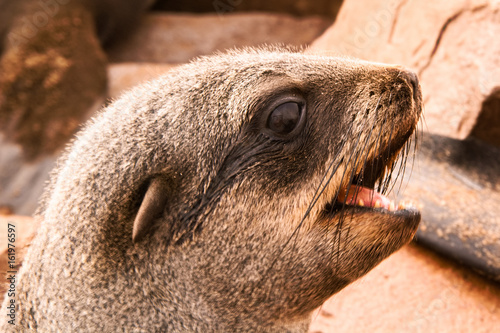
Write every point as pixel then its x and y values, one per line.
pixel 412 79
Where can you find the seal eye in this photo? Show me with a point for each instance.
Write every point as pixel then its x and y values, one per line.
pixel 284 118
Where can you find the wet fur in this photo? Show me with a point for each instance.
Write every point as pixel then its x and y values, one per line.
pixel 244 241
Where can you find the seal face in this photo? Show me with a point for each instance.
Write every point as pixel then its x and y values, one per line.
pixel 235 193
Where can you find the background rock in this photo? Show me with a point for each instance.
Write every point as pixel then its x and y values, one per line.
pixel 50 79
pixel 413 291
pixel 453 45
pixel 24 231
pixel 21 182
pixel 327 8
pixel 177 38
pixel 487 126
pixel 124 76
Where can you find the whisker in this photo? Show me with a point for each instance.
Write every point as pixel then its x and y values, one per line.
pixel 416 136
pixel 383 190
pixel 378 143
pixel 403 159
pixel 377 149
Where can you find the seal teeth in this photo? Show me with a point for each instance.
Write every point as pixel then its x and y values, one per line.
pixel 392 206
pixel 405 204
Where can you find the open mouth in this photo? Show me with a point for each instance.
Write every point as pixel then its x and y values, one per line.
pixel 367 188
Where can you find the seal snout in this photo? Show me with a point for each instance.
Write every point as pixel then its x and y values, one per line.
pixel 412 79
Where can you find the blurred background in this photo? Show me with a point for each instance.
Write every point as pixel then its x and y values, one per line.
pixel 63 60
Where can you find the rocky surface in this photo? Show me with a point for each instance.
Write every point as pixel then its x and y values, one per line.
pixel 21 230
pixel 327 8
pixel 123 76
pixel 22 182
pixel 487 123
pixel 52 66
pixel 439 39
pixel 177 38
pixel 413 291
pixel 51 77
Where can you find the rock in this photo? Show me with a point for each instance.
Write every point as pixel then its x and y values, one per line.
pixel 413 291
pixel 22 182
pixel 439 39
pixel 124 76
pixel 6 210
pixel 52 66
pixel 52 74
pixel 18 231
pixel 327 8
pixel 487 126
pixel 178 38
pixel 455 185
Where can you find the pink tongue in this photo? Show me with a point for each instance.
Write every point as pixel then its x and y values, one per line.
pixel 363 196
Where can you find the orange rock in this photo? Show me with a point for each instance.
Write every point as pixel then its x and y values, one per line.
pixel 24 231
pixel 414 290
pixel 178 38
pixel 124 76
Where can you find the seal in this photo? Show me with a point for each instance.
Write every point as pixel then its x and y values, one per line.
pixel 235 193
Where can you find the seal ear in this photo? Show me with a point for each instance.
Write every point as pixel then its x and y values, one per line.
pixel 151 208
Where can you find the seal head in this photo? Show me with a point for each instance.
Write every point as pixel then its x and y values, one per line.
pixel 225 196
